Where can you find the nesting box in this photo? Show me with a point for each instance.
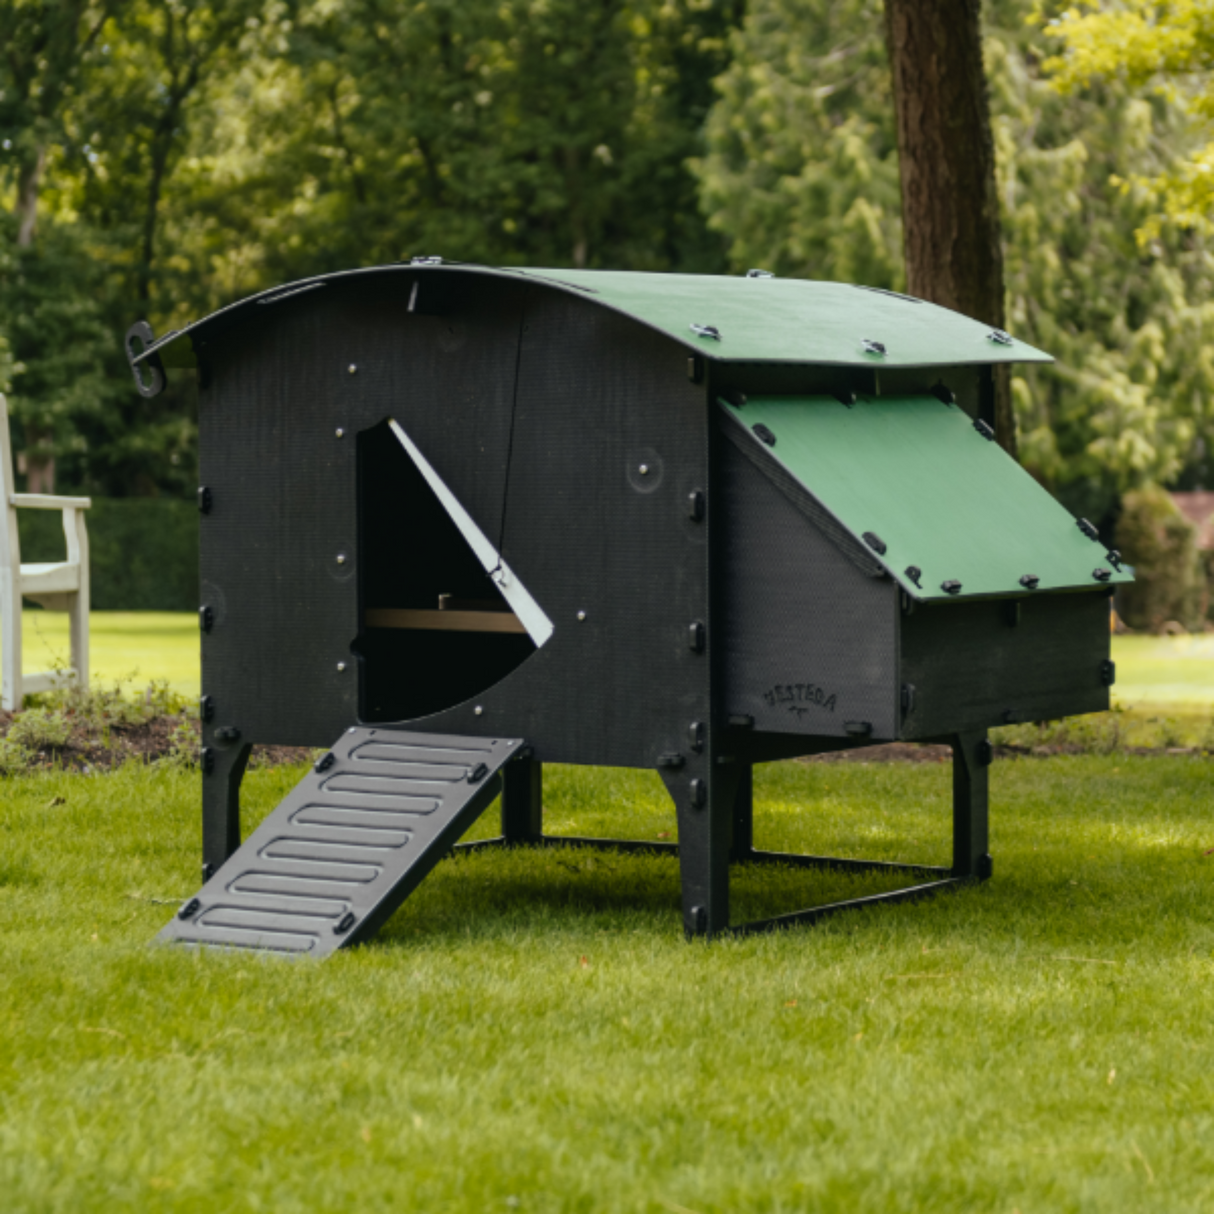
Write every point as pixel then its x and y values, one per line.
pixel 458 522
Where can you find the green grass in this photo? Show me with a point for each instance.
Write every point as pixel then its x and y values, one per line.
pixel 1164 670
pixel 531 1032
pixel 134 646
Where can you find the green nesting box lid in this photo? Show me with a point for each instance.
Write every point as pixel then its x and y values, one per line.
pixel 913 480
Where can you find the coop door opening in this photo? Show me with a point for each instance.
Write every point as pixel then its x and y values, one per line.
pixel 444 617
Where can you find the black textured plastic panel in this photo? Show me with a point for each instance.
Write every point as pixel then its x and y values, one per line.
pixel 975 665
pixel 810 640
pixel 347 845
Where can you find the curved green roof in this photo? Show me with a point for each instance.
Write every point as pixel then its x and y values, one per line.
pixel 723 318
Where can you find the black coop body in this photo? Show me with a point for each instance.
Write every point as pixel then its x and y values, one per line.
pixel 458 522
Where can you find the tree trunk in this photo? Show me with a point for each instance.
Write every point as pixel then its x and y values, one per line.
pixel 946 157
pixel 29 178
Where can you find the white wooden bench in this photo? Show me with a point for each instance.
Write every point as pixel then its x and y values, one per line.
pixel 55 585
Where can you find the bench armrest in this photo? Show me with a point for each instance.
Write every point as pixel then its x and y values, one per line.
pixel 49 501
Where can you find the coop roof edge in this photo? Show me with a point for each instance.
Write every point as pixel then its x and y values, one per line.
pixel 720 318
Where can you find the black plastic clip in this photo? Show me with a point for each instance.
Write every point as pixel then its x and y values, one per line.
pixel 732 396
pixel 741 720
pixel 1101 574
pixel 858 729
pixel 206 708
pixel 671 761
pixel 914 574
pixel 699 793
pixel 343 925
pixel 908 697
pixel 1114 558
pixel 847 398
pixel 227 733
pixel 695 505
pixel 875 542
pixel 707 331
pixel 695 636
pixel 206 618
pixel 1087 529
pixel 763 434
pixel 324 762
pixel 985 430
pixel 478 773
pixel 943 393
pixel 191 908
pixel 999 337
pixel 1030 581
pixel 1108 672
pixel 952 586
pixel 206 499
pixel 984 753
pixel 695 736
pixel 759 274
pixel 873 347
pixel 208 760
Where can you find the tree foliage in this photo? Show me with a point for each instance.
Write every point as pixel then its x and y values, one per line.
pixel 809 138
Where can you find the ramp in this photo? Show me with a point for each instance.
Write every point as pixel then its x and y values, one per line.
pixel 348 845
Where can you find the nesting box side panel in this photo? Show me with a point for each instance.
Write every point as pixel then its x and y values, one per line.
pixel 809 639
pixel 280 546
pixel 996 661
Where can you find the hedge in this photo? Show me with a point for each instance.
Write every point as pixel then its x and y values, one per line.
pixel 143 551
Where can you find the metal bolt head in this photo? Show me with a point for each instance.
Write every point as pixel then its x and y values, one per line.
pixel 353 369
pixel 341 666
pixel 479 711
pixel 581 615
pixel 340 432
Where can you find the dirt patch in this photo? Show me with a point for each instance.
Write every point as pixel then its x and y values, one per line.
pixel 93 746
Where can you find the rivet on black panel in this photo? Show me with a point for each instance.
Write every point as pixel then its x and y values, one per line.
pixel 699 793
pixel 695 505
pixel 695 736
pixel 695 636
pixel 206 499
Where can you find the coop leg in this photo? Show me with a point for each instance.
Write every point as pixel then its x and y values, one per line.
pixel 222 771
pixel 523 801
pixel 743 843
pixel 704 806
pixel 971 798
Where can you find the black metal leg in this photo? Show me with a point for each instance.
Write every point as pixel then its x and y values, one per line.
pixel 523 801
pixel 971 800
pixel 743 842
pixel 704 807
pixel 223 768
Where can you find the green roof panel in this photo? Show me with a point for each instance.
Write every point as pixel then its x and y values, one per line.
pixel 940 497
pixel 793 320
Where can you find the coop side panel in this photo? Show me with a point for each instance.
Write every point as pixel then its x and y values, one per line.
pixel 979 664
pixel 284 398
pixel 809 639
pixel 609 443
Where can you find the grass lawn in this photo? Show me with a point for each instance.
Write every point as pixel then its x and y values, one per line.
pixel 1164 670
pixel 532 1033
